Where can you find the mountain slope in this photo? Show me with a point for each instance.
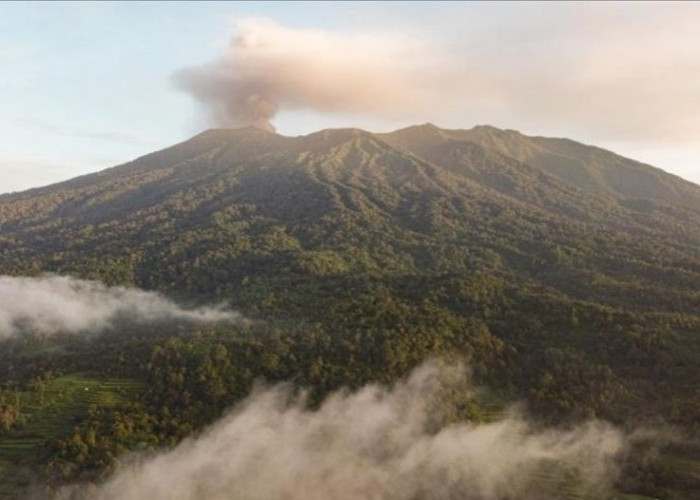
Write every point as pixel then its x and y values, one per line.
pixel 586 167
pixel 567 276
pixel 332 227
pixel 377 201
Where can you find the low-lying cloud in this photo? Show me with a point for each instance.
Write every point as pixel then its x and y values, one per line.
pixel 61 304
pixel 376 443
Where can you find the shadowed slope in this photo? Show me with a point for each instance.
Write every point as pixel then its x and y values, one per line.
pixel 586 167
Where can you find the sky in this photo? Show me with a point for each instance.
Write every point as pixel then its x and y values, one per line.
pixel 89 85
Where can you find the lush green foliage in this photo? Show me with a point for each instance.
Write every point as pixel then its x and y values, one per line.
pixel 566 276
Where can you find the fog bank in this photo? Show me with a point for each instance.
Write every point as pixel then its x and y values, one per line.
pixel 376 443
pixel 61 304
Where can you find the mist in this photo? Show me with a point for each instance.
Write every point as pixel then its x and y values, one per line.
pixel 376 443
pixel 62 304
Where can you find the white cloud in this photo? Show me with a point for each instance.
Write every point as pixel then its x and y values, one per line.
pixel 376 443
pixel 61 304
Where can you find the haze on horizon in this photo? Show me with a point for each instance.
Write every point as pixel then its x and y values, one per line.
pixel 90 86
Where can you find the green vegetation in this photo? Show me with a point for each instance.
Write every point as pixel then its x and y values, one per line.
pixel 49 407
pixel 568 277
pixel 48 410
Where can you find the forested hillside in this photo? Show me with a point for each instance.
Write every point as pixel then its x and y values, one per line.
pixel 567 277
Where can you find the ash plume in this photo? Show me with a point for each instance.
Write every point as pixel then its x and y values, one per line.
pixel 268 67
pixel 521 68
pixel 376 443
pixel 61 304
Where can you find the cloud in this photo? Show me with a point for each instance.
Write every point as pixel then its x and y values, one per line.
pixel 376 443
pixel 20 174
pixel 51 128
pixel 61 304
pixel 614 72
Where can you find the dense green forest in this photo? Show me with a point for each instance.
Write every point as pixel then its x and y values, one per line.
pixel 567 277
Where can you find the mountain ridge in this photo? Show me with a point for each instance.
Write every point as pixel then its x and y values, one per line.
pixel 479 134
pixel 422 179
pixel 588 167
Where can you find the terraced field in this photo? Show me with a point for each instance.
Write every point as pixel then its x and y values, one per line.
pixel 51 412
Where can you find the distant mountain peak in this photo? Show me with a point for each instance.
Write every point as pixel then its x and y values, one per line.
pixel 426 127
pixel 336 136
pixel 496 130
pixel 236 132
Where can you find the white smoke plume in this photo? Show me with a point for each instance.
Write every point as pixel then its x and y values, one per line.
pixel 53 304
pixel 377 443
pixel 269 66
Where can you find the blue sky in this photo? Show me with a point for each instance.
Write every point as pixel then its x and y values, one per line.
pixel 86 86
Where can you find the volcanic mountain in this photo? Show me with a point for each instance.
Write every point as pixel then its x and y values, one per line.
pixel 525 233
pixel 240 204
pixel 567 275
